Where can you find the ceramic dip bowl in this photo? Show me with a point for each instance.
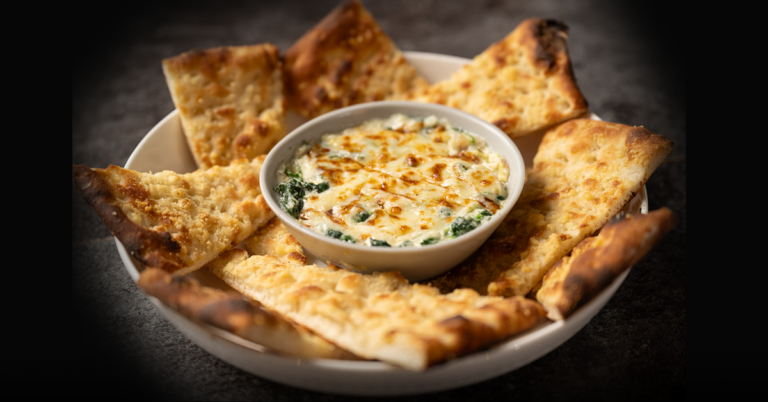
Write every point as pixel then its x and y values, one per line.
pixel 414 263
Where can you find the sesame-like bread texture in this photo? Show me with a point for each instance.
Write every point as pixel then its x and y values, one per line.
pixel 344 60
pixel 584 172
pixel 379 316
pixel 177 222
pixel 597 261
pixel 230 100
pixel 232 312
pixel 273 238
pixel 522 83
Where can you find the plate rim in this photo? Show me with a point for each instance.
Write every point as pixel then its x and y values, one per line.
pixel 311 367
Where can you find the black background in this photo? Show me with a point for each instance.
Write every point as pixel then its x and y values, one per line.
pixel 628 59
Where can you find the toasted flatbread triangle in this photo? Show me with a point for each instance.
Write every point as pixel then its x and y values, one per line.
pixel 379 316
pixel 230 100
pixel 177 222
pixel 584 172
pixel 344 60
pixel 521 84
pixel 273 238
pixel 597 261
pixel 236 314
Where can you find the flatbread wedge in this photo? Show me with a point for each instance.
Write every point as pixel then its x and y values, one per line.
pixel 273 238
pixel 379 316
pixel 234 313
pixel 522 83
pixel 344 60
pixel 597 261
pixel 230 100
pixel 177 222
pixel 584 172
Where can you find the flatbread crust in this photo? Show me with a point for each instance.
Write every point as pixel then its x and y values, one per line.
pixel 177 222
pixel 379 316
pixel 273 238
pixel 584 172
pixel 234 313
pixel 344 60
pixel 597 261
pixel 522 83
pixel 230 100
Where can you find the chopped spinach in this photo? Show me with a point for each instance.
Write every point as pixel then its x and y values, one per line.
pixel 481 214
pixel 319 187
pixel 429 241
pixel 295 174
pixel 379 243
pixel 501 197
pixel 460 226
pixel 338 235
pixel 333 233
pixel 361 217
pixel 406 243
pixel 291 194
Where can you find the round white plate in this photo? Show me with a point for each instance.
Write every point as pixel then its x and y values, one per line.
pixel 165 148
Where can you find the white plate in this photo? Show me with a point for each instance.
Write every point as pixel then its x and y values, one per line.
pixel 165 148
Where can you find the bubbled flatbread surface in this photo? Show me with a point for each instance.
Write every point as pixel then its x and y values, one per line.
pixel 585 171
pixel 521 84
pixel 230 100
pixel 177 222
pixel 379 316
pixel 235 313
pixel 344 60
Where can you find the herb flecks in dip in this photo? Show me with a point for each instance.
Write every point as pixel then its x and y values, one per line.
pixel 397 182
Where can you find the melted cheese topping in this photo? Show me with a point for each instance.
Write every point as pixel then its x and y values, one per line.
pixel 404 181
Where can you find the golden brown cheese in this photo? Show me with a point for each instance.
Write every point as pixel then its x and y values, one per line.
pixel 177 222
pixel 584 172
pixel 230 100
pixel 378 316
pixel 597 261
pixel 404 181
pixel 521 84
pixel 344 60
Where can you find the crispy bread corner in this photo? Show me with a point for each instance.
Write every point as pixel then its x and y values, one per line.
pixel 177 222
pixel 230 100
pixel 522 83
pixel 344 60
pixel 597 261
pixel 235 313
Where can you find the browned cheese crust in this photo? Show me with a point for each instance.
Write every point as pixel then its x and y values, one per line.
pixel 230 100
pixel 177 222
pixel 522 83
pixel 344 60
pixel 234 313
pixel 584 172
pixel 597 261
pixel 379 316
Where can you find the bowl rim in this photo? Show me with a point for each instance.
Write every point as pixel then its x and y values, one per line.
pixel 442 112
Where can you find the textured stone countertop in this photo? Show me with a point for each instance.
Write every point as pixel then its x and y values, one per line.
pixel 635 348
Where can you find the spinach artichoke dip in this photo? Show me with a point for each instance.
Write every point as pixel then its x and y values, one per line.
pixel 397 182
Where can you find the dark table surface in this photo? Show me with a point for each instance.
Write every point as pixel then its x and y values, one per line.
pixel 635 348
